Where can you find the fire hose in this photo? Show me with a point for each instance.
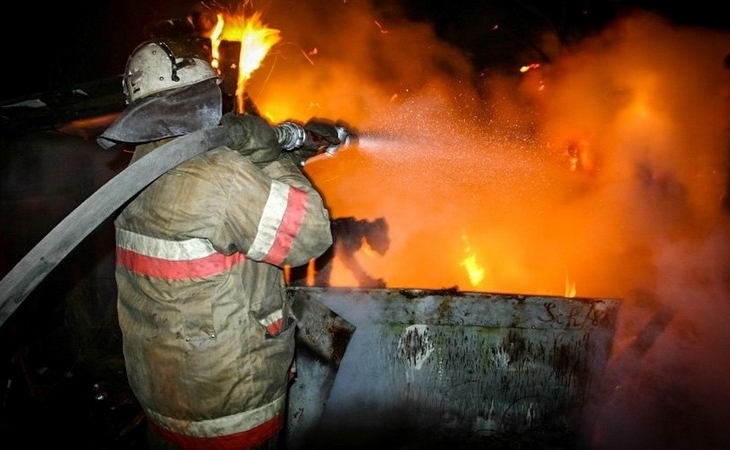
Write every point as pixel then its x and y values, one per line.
pixel 58 243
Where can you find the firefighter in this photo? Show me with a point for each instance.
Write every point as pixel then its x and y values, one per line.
pixel 208 332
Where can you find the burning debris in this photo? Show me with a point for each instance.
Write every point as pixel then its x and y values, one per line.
pixel 352 237
pixel 254 39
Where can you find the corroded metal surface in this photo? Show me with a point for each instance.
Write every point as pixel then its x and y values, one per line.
pixel 320 329
pixel 448 366
pixel 322 338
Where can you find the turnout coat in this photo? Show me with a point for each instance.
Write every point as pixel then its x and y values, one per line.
pixel 207 326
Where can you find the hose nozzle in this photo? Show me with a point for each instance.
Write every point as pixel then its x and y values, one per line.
pixel 346 138
pixel 292 136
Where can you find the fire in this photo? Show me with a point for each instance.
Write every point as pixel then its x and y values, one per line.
pixel 216 41
pixel 473 269
pixel 256 40
pixel 558 183
pixel 366 249
pixel 569 287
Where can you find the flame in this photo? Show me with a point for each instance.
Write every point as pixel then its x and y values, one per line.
pixel 256 40
pixel 473 269
pixel 215 41
pixel 569 287
pixel 366 249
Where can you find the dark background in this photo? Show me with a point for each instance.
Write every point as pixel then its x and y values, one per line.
pixel 76 41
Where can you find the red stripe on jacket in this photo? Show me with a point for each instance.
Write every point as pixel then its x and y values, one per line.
pixel 177 270
pixel 238 441
pixel 275 328
pixel 296 208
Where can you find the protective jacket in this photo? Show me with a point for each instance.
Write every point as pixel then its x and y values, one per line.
pixel 207 326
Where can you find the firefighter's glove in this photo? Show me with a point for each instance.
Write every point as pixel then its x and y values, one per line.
pixel 301 155
pixel 252 137
pixel 324 134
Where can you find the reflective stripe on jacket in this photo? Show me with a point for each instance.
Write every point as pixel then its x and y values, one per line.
pixel 207 327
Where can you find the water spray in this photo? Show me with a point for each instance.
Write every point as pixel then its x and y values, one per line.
pixel 378 140
pixel 292 136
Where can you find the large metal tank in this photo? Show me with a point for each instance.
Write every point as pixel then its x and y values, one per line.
pixel 428 369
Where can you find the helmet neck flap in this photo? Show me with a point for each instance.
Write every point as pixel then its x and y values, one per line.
pixel 167 114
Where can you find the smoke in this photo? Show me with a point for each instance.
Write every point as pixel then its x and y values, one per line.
pixel 604 169
pixel 604 155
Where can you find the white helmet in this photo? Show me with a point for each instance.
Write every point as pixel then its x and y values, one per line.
pixel 157 66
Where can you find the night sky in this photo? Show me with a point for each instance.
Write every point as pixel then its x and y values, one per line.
pixel 64 43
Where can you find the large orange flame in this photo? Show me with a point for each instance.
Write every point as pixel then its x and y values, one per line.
pixel 256 41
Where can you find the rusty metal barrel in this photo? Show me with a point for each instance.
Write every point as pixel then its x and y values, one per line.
pixel 428 368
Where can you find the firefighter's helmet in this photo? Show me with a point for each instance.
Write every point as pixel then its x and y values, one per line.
pixel 157 66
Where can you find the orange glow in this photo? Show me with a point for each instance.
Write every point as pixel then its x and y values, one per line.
pixel 580 158
pixel 590 162
pixel 256 41
pixel 604 165
pixel 311 272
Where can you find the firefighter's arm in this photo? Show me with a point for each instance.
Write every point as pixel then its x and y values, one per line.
pixel 314 234
pixel 272 215
pixel 276 214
